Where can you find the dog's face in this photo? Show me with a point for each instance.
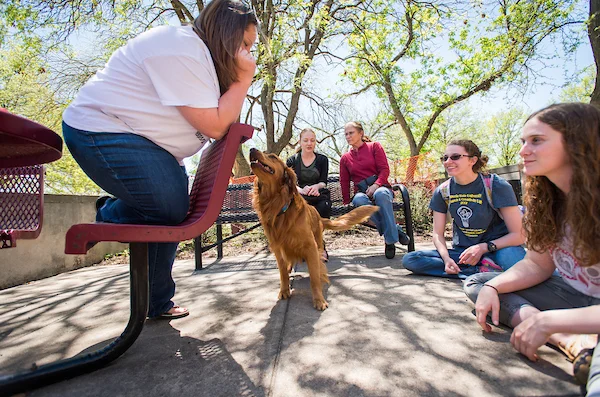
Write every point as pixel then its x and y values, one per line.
pixel 271 173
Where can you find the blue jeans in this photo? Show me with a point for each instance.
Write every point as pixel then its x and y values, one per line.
pixel 150 188
pixel 384 219
pixel 430 263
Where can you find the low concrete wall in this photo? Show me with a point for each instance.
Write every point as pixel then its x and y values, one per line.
pixel 44 257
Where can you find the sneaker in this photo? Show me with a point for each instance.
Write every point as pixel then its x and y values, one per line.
pixel 488 265
pixel 101 201
pixel 390 251
pixel 402 237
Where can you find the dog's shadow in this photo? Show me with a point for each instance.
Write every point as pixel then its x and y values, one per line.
pixel 302 323
pixel 300 284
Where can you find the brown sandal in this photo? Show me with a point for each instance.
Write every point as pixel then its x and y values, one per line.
pixel 581 366
pixel 577 344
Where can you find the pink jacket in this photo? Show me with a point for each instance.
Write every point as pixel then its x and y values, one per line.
pixel 356 165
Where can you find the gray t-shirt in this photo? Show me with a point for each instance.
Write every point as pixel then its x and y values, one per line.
pixel 474 220
pixel 309 175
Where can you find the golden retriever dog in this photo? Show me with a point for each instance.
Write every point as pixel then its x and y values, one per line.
pixel 293 227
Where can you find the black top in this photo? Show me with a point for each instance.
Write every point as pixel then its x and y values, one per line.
pixel 321 163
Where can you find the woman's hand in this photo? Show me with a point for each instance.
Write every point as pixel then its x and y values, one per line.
pixel 246 65
pixel 529 335
pixel 371 190
pixel 472 255
pixel 312 190
pixel 451 267
pixel 487 300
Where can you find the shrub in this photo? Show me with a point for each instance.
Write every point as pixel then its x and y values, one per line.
pixel 420 195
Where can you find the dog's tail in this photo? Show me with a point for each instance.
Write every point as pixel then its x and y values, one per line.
pixel 345 222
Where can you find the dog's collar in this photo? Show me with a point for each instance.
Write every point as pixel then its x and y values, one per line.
pixel 286 207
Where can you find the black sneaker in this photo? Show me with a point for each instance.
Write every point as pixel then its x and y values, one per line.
pixel 402 237
pixel 390 251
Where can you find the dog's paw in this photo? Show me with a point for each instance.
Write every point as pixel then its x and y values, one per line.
pixel 320 304
pixel 284 294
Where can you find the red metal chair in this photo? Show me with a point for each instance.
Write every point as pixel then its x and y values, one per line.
pixel 208 192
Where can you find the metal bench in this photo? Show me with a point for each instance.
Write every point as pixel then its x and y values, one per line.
pixel 237 208
pixel 206 197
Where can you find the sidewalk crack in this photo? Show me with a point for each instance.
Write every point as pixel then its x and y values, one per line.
pixel 279 344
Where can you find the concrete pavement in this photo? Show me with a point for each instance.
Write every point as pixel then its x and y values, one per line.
pixel 386 333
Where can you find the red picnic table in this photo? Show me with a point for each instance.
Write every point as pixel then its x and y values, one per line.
pixel 24 147
pixel 206 198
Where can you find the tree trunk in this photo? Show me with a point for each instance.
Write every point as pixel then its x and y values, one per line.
pixel 241 166
pixel 594 36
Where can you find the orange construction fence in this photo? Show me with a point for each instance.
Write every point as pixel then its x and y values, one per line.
pixel 423 170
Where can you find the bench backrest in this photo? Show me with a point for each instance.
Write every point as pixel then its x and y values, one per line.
pixel 237 205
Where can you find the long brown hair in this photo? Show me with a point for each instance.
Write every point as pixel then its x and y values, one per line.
pixel 548 208
pixel 358 125
pixel 221 25
pixel 473 151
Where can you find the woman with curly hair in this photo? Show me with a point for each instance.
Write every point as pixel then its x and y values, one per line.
pixel 561 161
pixel 486 226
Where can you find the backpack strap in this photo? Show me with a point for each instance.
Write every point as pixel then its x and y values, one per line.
pixel 488 183
pixel 445 191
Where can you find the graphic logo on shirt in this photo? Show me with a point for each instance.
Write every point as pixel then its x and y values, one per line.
pixel 565 262
pixel 466 198
pixel 200 136
pixel 569 269
pixel 465 213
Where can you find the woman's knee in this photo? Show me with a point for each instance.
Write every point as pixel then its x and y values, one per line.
pixel 411 260
pixel 508 256
pixel 472 284
pixel 382 195
pixel 171 208
pixel 360 199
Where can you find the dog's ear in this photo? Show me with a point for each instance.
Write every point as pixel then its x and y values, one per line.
pixel 289 179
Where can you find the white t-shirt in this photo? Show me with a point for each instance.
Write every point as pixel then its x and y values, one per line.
pixel 141 84
pixel 584 279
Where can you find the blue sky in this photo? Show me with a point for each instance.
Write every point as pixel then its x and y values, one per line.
pixel 545 91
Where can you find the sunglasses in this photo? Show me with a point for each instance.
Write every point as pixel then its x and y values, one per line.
pixel 453 157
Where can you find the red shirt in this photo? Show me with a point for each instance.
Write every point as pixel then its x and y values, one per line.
pixel 358 164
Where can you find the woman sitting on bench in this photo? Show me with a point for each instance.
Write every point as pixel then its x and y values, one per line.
pixel 158 100
pixel 486 219
pixel 311 171
pixel 367 166
pixel 561 157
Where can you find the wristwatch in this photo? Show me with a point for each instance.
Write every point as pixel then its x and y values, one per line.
pixel 491 246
